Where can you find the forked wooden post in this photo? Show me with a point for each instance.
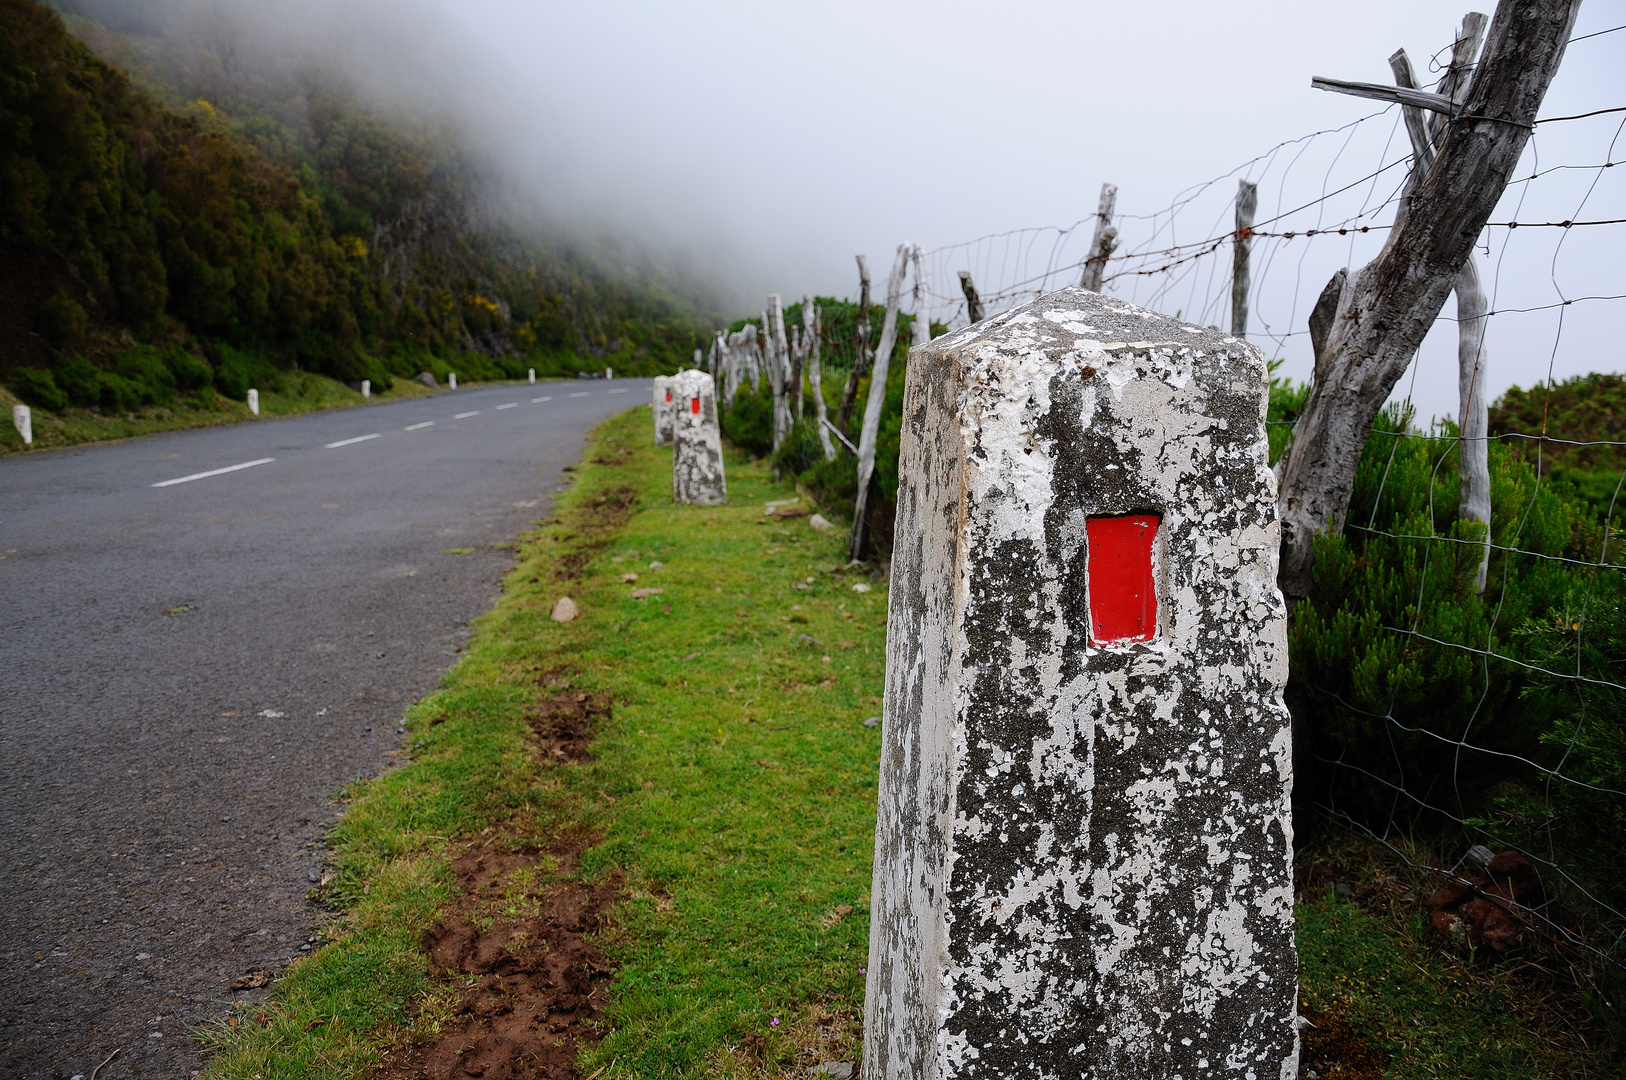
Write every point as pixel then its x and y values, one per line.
pixel 1083 858
pixel 861 356
pixel 873 405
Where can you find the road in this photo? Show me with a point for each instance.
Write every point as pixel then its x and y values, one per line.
pixel 204 634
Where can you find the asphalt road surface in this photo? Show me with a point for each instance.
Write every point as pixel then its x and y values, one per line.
pixel 203 636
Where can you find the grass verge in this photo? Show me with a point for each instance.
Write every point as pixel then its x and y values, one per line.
pixel 729 800
pixel 298 392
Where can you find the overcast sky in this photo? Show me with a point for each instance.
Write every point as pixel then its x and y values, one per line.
pixel 783 139
pixel 772 143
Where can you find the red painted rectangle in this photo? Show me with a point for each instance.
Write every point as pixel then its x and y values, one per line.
pixel 694 406
pixel 1122 587
pixel 669 395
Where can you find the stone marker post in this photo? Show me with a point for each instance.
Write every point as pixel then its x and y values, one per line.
pixel 1083 859
pixel 22 418
pixel 665 410
pixel 254 402
pixel 697 444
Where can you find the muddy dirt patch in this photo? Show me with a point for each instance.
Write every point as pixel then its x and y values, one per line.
pixel 1329 1049
pixel 525 979
pixel 597 520
pixel 564 718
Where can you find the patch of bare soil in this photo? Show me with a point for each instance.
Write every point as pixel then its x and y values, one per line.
pixel 563 720
pixel 597 521
pixel 517 952
pixel 1332 1050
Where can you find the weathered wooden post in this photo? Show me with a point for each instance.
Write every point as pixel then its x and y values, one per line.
pixel 665 410
pixel 1103 240
pixel 859 541
pixel 779 367
pixel 1247 199
pixel 861 354
pixel 810 334
pixel 697 445
pixel 1083 859
pixel 973 302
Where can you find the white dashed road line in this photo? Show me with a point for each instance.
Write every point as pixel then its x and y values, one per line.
pixel 466 415
pixel 419 427
pixel 215 472
pixel 582 394
pixel 347 442
pixel 615 391
pixel 510 405
pixel 540 400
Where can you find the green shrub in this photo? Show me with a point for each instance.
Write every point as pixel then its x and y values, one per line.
pixel 190 371
pixel 801 449
pixel 81 381
pixel 61 321
pixel 38 388
pixel 236 373
pixel 749 424
pixel 151 380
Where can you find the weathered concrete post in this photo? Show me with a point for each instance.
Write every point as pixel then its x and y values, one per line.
pixel 22 418
pixel 1083 860
pixel 697 444
pixel 254 402
pixel 665 409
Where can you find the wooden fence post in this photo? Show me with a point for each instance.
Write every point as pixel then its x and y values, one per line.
pixel 1247 198
pixel 876 402
pixel 810 334
pixel 973 302
pixel 1365 329
pixel 1084 850
pixel 1104 240
pixel 778 368
pixel 849 393
pixel 921 328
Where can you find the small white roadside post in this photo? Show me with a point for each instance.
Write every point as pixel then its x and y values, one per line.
pixel 22 418
pixel 533 375
pixel 697 444
pixel 254 402
pixel 366 389
pixel 665 409
pixel 451 379
pixel 1084 848
pixel 609 373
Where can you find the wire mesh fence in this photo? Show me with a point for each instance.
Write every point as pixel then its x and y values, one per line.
pixel 1462 687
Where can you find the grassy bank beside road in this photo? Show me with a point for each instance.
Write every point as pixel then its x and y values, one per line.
pixel 302 392
pixel 695 757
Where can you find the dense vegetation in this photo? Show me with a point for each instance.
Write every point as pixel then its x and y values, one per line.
pixel 1585 408
pixel 189 235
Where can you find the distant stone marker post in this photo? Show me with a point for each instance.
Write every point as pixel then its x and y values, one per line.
pixel 665 410
pixel 1083 859
pixel 697 444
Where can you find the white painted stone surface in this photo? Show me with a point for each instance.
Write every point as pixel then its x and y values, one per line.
pixel 697 443
pixel 665 404
pixel 1083 859
pixel 254 402
pixel 22 418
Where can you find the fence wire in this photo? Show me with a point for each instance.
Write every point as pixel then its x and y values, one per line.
pixel 1532 758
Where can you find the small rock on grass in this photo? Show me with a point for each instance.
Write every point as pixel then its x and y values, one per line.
pixel 873 721
pixel 861 586
pixel 564 609
pixel 820 523
pixel 639 594
pixel 839 1070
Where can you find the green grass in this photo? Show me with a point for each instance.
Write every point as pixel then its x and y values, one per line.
pixel 732 792
pixel 300 392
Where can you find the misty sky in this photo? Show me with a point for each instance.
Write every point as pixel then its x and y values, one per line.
pixel 770 143
pixel 785 138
